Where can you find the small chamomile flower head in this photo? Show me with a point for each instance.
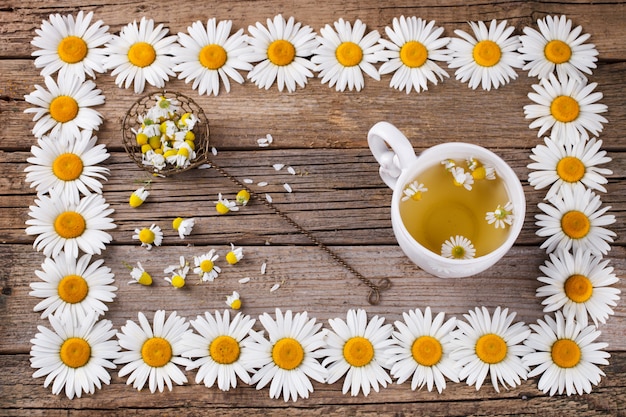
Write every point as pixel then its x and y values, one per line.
pixel 480 170
pixel 243 197
pixel 414 47
pixel 557 47
pixel 233 301
pixel 461 178
pixel 563 165
pixel 140 54
pixel 178 273
pixel 152 353
pixel 567 107
pixel 281 50
pixel 448 164
pixel 234 255
pixel 458 247
pixel 487 59
pixel 183 226
pixel 138 197
pixel 345 52
pixel 501 216
pixel 580 285
pixel 140 275
pixel 413 191
pixel 149 236
pixel 64 107
pixel 566 355
pixel 71 45
pixel 223 205
pixel 574 219
pixel 72 167
pixel 162 111
pixel 205 266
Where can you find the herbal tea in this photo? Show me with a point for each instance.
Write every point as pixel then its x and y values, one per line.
pixel 457 209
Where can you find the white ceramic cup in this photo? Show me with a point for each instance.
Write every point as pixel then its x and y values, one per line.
pixel 399 166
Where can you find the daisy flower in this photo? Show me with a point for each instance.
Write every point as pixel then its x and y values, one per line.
pixel 233 301
pixel 60 225
pixel 208 54
pixel 566 356
pixel 281 50
pixel 423 350
pixel 71 46
pixel 205 266
pixel 71 167
pixel 358 349
pixel 462 178
pixel 345 53
pixel 481 171
pixel 491 345
pixel 557 46
pixel 149 236
pixel 139 275
pixel 289 359
pixel 139 54
pixel 138 197
pixel 243 197
pixel 413 191
pixel 567 107
pixel 501 216
pixel 63 108
pixel 415 46
pixel 76 354
pixel 488 58
pixel 234 255
pixel 76 285
pixel 458 247
pixel 574 219
pixel 580 285
pixel 152 352
pixel 179 273
pixel 223 205
pixel 562 165
pixel 183 226
pixel 219 347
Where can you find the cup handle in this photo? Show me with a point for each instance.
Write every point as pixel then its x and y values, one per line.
pixel 383 136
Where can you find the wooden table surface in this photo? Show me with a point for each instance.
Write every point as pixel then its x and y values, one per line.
pixel 337 196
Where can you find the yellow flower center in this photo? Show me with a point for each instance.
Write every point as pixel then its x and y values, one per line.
pixel 184 152
pixel 287 353
pixel 72 49
pixel 578 288
pixel 564 109
pixel 67 167
pixel 575 224
pixel 156 352
pixel 458 252
pixel 142 139
pixel 358 351
pixel 427 350
pixel 557 51
pixel 479 173
pixel 69 224
pixel 63 109
pixel 206 265
pixel 487 53
pixel 177 222
pixel 349 54
pixel 141 54
pixel 565 353
pixel 236 304
pixel 417 196
pixel 224 350
pixel 134 200
pixel 73 289
pixel 231 258
pixel 146 236
pixel 491 348
pixel 570 169
pixel 413 54
pixel 75 352
pixel 178 281
pixel 145 279
pixel 212 56
pixel 221 208
pixel 281 52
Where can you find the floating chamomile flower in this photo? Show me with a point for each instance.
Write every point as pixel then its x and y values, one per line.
pixel 567 107
pixel 345 53
pixel 283 49
pixel 423 349
pixel 183 226
pixel 140 275
pixel 415 46
pixel 138 197
pixel 139 54
pixel 574 219
pixel 489 59
pixel 491 345
pixel 460 178
pixel 243 197
pixel 178 273
pixel 557 46
pixel 152 353
pixel 208 54
pixel 205 266
pixel 219 347
pixel 358 349
pixel 75 285
pixel 562 165
pixel 60 225
pixel 566 356
pixel 413 191
pixel 501 216
pixel 64 109
pixel 234 301
pixel 234 255
pixel 149 236
pixel 580 285
pixel 458 247
pixel 76 354
pixel 71 45
pixel 72 167
pixel 289 359
pixel 481 171
pixel 223 205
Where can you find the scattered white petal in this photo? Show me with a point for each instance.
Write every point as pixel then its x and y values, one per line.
pixel 278 167
pixel 204 166
pixel 248 181
pixel 274 287
pixel 244 280
pixel 268 198
pixel 291 170
pixel 214 151
pixel 262 184
pixel 263 268
pixel 287 187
